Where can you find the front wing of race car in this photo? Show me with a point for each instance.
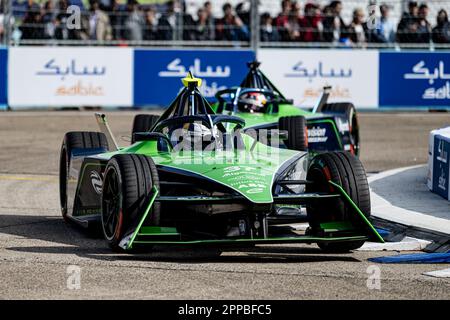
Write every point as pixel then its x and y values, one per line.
pixel 331 231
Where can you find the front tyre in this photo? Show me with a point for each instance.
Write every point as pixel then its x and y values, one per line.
pixel 128 183
pixel 346 170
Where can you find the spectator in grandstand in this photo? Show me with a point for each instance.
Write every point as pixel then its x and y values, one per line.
pixel 31 27
pixel 116 18
pixel 134 22
pixel 151 25
pixel 231 27
pixel 408 25
pixel 282 21
pixel 441 32
pixel 210 19
pixel 268 31
pixel 208 10
pixel 334 28
pixel 358 29
pixel 96 25
pixel 203 30
pixel 48 19
pixel 170 22
pixel 62 32
pixel 189 24
pixel 293 26
pixel 311 24
pixel 424 27
pixel 384 31
pixel 243 12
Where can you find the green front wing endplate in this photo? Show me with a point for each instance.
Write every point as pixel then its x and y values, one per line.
pixel 153 235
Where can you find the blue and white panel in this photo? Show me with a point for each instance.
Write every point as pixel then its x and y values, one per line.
pixel 157 73
pixel 415 79
pixel 301 74
pixel 70 76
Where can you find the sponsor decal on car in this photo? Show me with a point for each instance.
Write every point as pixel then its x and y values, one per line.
pixel 97 182
pixel 317 134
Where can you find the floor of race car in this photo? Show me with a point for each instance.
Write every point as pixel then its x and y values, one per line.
pixel 40 254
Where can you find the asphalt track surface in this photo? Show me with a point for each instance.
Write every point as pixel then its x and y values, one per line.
pixel 37 247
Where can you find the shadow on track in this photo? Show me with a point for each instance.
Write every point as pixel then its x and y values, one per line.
pixel 85 244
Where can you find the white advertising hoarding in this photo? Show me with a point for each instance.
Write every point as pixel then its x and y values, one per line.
pixel 301 74
pixel 70 76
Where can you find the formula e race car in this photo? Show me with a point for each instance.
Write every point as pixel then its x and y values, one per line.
pixel 196 178
pixel 331 126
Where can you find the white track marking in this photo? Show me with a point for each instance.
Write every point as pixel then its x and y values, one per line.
pixel 439 273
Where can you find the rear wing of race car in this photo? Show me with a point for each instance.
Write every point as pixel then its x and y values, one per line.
pixel 332 231
pixel 106 130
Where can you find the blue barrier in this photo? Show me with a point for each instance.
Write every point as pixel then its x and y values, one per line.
pixel 414 258
pixel 414 79
pixel 158 72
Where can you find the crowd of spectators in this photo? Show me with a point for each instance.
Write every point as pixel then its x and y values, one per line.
pixel 316 24
pixel 132 22
pixel 295 23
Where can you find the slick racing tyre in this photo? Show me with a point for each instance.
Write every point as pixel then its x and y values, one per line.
pixel 76 140
pixel 127 187
pixel 346 170
pixel 143 123
pixel 295 126
pixel 349 110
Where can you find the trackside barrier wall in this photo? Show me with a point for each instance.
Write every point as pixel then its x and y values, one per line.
pixel 33 77
pixel 368 78
pixel 438 162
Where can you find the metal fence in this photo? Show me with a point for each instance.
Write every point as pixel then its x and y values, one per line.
pixel 250 23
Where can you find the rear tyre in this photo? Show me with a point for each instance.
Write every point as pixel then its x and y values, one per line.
pixel 128 183
pixel 349 110
pixel 346 170
pixel 143 123
pixel 297 131
pixel 76 140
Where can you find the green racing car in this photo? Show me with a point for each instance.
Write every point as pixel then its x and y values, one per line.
pixel 197 178
pixel 330 126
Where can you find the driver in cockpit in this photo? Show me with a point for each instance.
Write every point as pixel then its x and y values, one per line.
pixel 252 102
pixel 195 136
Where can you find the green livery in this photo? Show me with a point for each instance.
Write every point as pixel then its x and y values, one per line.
pixel 192 177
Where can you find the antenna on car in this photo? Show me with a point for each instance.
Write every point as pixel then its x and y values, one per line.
pixel 104 127
pixel 191 82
